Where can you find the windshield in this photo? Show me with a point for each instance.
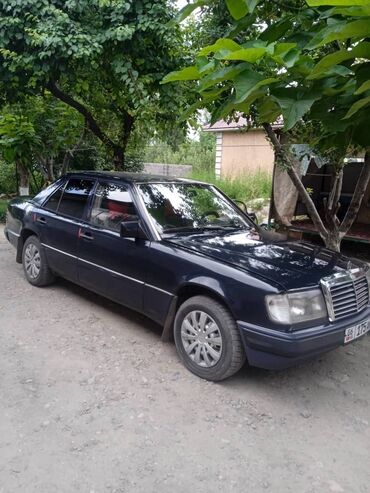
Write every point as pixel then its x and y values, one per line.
pixel 177 207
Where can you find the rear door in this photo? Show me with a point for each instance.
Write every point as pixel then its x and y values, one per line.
pixel 108 264
pixel 59 222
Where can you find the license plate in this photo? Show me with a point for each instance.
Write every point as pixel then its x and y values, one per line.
pixel 355 332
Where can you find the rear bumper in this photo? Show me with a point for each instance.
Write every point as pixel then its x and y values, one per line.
pixel 11 236
pixel 274 350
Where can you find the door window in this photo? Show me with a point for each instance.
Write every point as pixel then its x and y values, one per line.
pixel 52 203
pixel 112 205
pixel 75 197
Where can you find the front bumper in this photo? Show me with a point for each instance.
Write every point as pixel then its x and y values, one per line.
pixel 275 350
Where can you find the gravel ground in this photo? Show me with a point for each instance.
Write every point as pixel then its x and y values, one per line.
pixel 92 401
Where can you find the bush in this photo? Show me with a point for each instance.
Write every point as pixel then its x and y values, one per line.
pixel 3 207
pixel 200 154
pixel 8 182
pixel 245 187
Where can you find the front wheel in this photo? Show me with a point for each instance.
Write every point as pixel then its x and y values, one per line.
pixel 207 339
pixel 34 262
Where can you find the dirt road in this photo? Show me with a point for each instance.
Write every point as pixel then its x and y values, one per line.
pixel 92 401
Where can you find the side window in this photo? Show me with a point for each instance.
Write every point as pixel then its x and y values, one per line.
pixel 52 203
pixel 75 197
pixel 112 205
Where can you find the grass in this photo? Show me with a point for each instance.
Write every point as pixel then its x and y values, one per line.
pixel 245 188
pixel 3 206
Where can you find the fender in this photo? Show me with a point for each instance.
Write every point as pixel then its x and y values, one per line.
pixel 24 234
pixel 192 287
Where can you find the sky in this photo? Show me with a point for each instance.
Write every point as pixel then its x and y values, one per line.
pixel 181 3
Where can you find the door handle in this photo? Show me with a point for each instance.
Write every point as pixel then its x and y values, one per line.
pixel 85 235
pixel 41 220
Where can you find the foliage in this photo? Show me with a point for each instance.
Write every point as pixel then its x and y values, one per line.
pixel 8 183
pixel 314 61
pixel 303 60
pixel 18 139
pixel 200 154
pixel 105 59
pixel 244 187
pixel 3 209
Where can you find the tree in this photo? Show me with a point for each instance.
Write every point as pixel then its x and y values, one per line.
pixel 307 62
pixel 105 59
pixel 18 142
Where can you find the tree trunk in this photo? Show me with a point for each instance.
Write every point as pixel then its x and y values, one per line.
pixel 24 180
pixel 333 231
pixel 118 150
pixel 333 241
pixel 290 164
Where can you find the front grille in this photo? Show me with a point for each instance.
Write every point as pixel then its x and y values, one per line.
pixel 345 293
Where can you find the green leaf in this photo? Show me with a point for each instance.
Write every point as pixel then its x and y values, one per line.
pixel 225 73
pixel 357 106
pixel 355 29
pixel 252 4
pixel 223 110
pixel 337 3
pixel 268 111
pixel 294 104
pixel 188 9
pixel 250 55
pixel 276 31
pixel 248 82
pixel 362 50
pixel 359 11
pixel 363 88
pixel 188 73
pixel 220 45
pixel 286 54
pixel 237 8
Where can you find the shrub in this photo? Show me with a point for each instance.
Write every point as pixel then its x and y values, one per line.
pixel 3 207
pixel 8 182
pixel 244 187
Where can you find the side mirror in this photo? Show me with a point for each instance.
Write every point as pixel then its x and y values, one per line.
pixel 132 229
pixel 244 208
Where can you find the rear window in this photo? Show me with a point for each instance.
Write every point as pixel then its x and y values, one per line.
pixel 53 201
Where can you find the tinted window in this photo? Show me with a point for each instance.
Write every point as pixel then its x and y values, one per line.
pixel 44 194
pixel 74 197
pixel 52 203
pixel 112 205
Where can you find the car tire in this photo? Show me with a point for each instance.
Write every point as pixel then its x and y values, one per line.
pixel 207 339
pixel 34 262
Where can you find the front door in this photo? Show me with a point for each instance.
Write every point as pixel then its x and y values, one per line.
pixel 109 264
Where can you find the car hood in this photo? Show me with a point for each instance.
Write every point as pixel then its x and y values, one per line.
pixel 291 265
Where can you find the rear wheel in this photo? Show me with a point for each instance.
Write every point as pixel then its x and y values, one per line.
pixel 207 339
pixel 34 262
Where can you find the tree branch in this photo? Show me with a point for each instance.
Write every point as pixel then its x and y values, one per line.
pixel 292 172
pixel 354 206
pixel 69 153
pixel 91 123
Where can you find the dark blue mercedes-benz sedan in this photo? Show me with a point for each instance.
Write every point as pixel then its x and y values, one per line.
pixel 186 256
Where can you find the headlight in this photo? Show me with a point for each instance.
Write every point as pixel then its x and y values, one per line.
pixel 293 308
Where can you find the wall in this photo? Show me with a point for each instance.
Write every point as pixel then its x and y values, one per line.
pixel 174 170
pixel 245 152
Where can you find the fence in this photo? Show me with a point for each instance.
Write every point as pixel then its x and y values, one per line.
pixel 173 170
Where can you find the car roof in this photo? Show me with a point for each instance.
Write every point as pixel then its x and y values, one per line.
pixel 131 177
